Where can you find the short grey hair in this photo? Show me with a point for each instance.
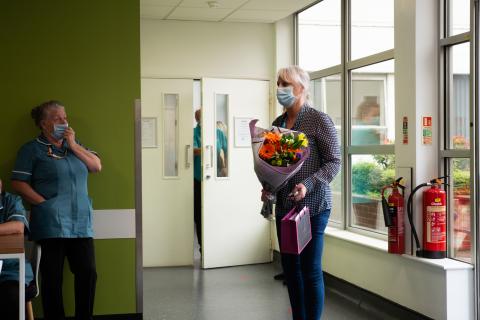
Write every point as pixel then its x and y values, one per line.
pixel 39 113
pixel 297 75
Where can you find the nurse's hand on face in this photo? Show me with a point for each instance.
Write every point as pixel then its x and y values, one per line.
pixel 70 136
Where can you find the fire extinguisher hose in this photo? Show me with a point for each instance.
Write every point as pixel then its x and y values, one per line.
pixel 410 216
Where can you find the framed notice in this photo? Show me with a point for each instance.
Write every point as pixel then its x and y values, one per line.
pixel 242 132
pixel 149 133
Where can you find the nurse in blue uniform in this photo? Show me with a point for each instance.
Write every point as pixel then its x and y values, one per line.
pixel 51 174
pixel 13 221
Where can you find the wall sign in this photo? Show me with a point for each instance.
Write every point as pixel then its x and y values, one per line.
pixel 242 132
pixel 405 130
pixel 149 133
pixel 427 130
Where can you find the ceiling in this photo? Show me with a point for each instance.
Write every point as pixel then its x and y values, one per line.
pixel 265 11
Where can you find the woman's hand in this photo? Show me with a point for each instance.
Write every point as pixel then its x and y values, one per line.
pixel 266 195
pixel 298 192
pixel 91 160
pixel 70 136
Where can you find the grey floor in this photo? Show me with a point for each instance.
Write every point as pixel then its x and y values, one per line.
pixel 236 293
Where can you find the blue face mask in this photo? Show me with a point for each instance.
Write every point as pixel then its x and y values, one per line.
pixel 59 131
pixel 285 96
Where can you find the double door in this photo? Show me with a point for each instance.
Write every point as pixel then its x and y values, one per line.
pixel 233 231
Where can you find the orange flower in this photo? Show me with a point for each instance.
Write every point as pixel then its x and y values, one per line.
pixel 272 137
pixel 267 151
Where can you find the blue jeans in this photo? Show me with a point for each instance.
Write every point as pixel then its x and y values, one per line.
pixel 303 273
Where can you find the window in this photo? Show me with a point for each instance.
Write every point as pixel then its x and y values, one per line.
pixel 455 149
pixel 459 17
pixel 327 97
pixel 321 21
pixel 372 101
pixel 170 135
pixel 353 82
pixel 372 30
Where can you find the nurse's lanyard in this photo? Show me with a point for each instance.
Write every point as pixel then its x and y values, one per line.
pixel 54 156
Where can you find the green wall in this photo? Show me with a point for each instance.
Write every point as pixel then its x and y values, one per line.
pixel 87 55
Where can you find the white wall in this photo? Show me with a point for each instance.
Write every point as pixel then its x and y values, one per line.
pixel 189 49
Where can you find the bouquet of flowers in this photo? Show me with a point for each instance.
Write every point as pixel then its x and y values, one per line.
pixel 278 154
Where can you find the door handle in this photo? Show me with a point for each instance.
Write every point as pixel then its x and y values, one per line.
pixel 188 156
pixel 209 152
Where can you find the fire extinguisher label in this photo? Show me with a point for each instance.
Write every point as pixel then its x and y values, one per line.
pixel 396 232
pixel 436 224
pixel 392 230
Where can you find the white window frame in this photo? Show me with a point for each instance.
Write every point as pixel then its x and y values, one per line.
pixel 344 70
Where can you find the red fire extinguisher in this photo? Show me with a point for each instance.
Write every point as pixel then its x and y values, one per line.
pixel 393 214
pixel 434 245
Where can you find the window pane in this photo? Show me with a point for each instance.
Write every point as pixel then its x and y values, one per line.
pixel 369 174
pixel 319 35
pixel 462 230
pixel 326 96
pixel 460 101
pixel 373 104
pixel 221 108
pixel 371 29
pixel 459 16
pixel 170 118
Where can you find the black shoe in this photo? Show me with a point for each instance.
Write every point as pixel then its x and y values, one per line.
pixel 279 276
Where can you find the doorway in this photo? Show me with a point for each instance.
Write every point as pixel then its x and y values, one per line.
pixel 233 231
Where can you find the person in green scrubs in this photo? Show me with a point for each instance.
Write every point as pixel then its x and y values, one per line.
pixel 51 174
pixel 13 221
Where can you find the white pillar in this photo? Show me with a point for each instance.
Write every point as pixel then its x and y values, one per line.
pixel 416 92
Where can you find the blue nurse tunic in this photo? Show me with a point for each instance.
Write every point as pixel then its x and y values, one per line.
pixel 61 178
pixel 11 209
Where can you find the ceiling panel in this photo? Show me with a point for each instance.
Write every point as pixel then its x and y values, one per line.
pixel 222 4
pixel 166 3
pixel 257 16
pixel 158 12
pixel 227 10
pixel 203 14
pixel 290 5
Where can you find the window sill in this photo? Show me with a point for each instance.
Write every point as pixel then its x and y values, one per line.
pixel 356 238
pixel 445 264
pixel 382 245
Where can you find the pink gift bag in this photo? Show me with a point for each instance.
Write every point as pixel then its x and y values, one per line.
pixel 296 231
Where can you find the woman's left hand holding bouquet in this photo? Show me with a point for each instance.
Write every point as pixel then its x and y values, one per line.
pixel 298 192
pixel 266 195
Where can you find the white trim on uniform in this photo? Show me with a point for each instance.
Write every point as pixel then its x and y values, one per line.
pixel 44 143
pixel 17 215
pixel 22 172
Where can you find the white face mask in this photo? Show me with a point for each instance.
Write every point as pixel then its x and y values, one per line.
pixel 59 130
pixel 286 97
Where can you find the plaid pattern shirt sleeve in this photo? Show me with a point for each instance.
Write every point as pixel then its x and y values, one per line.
pixel 319 169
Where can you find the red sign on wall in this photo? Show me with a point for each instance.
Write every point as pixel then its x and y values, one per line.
pixel 427 130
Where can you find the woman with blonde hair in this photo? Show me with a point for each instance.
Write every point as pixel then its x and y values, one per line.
pixel 308 187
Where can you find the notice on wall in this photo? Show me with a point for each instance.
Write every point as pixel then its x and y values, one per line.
pixel 405 130
pixel 242 132
pixel 149 132
pixel 427 130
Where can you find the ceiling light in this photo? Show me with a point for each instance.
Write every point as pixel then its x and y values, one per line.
pixel 213 4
